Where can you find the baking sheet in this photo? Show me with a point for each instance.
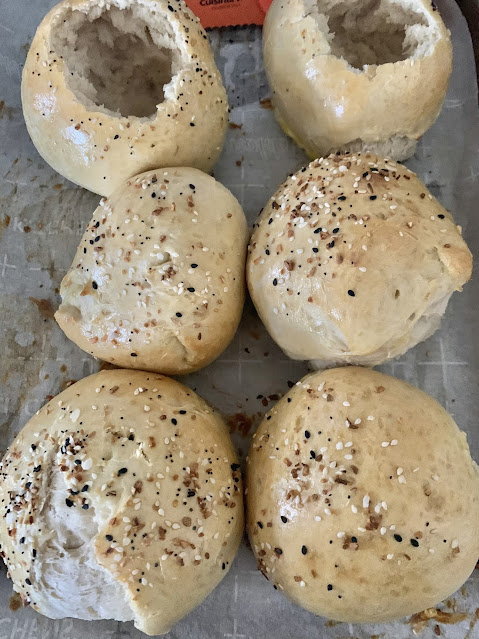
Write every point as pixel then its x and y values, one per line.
pixel 42 217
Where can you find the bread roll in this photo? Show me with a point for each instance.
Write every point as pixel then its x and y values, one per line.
pixel 111 89
pixel 362 498
pixel 351 75
pixel 120 499
pixel 353 261
pixel 157 282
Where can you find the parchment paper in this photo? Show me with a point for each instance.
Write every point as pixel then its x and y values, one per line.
pixel 42 217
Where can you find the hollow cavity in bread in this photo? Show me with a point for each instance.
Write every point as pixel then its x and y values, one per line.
pixel 119 60
pixel 368 33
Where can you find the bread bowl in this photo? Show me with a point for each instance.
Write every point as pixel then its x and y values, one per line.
pixel 356 75
pixel 111 89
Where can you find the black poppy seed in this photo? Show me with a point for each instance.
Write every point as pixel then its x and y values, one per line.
pixel 234 467
pixel 133 355
pixel 37 469
pixel 373 197
pixel 275 282
pixel 69 503
pixel 336 230
pixel 28 582
pixel 85 506
pixel 341 198
pixel 22 540
pixel 398 537
pixel 414 542
pixel 315 250
pixel 33 447
pixel 122 471
pixel 190 289
pixel 354 540
pixel 194 265
pixel 192 186
pixel 260 525
pixel 85 488
pixel 192 124
pixel 304 550
pixel 284 519
pixel 312 454
pixel 182 412
pixel 153 194
pixel 441 216
pixel 179 314
pixel 351 293
pixel 270 221
pixel 307 434
pixel 330 586
pixel 94 284
pixel 190 493
pixel 278 551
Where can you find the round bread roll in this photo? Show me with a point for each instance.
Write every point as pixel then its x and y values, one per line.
pixel 365 75
pixel 121 499
pixel 362 498
pixel 110 89
pixel 353 261
pixel 158 282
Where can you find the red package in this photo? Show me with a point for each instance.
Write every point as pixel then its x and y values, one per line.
pixel 229 13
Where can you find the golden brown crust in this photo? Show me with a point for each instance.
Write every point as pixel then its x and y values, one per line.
pixel 99 150
pixel 341 106
pixel 136 435
pixel 362 498
pixel 353 261
pixel 157 282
